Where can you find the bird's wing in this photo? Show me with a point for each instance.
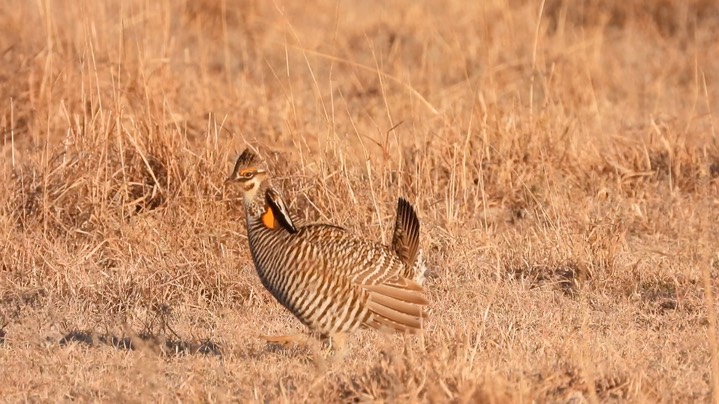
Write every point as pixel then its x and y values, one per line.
pixel 393 301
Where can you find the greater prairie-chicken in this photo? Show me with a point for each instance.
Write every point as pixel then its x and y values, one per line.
pixel 331 280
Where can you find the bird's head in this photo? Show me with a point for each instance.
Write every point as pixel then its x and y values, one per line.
pixel 250 175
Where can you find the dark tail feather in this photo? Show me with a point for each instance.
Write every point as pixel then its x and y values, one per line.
pixel 405 240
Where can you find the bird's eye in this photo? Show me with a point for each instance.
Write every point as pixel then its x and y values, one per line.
pixel 246 174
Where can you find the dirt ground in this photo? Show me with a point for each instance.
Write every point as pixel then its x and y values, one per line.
pixel 562 156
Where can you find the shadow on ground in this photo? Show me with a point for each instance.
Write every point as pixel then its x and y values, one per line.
pixel 145 341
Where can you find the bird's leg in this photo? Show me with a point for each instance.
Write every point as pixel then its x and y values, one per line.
pixel 338 343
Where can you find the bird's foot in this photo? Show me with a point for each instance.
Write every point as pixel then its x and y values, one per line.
pixel 335 347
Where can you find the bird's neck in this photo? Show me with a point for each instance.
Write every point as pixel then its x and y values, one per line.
pixel 255 207
pixel 255 201
pixel 257 211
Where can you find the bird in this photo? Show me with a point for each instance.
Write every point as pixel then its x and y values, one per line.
pixel 331 280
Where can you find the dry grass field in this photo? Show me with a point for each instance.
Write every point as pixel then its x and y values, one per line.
pixel 562 155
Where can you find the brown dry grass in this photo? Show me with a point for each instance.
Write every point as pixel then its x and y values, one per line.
pixel 566 171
